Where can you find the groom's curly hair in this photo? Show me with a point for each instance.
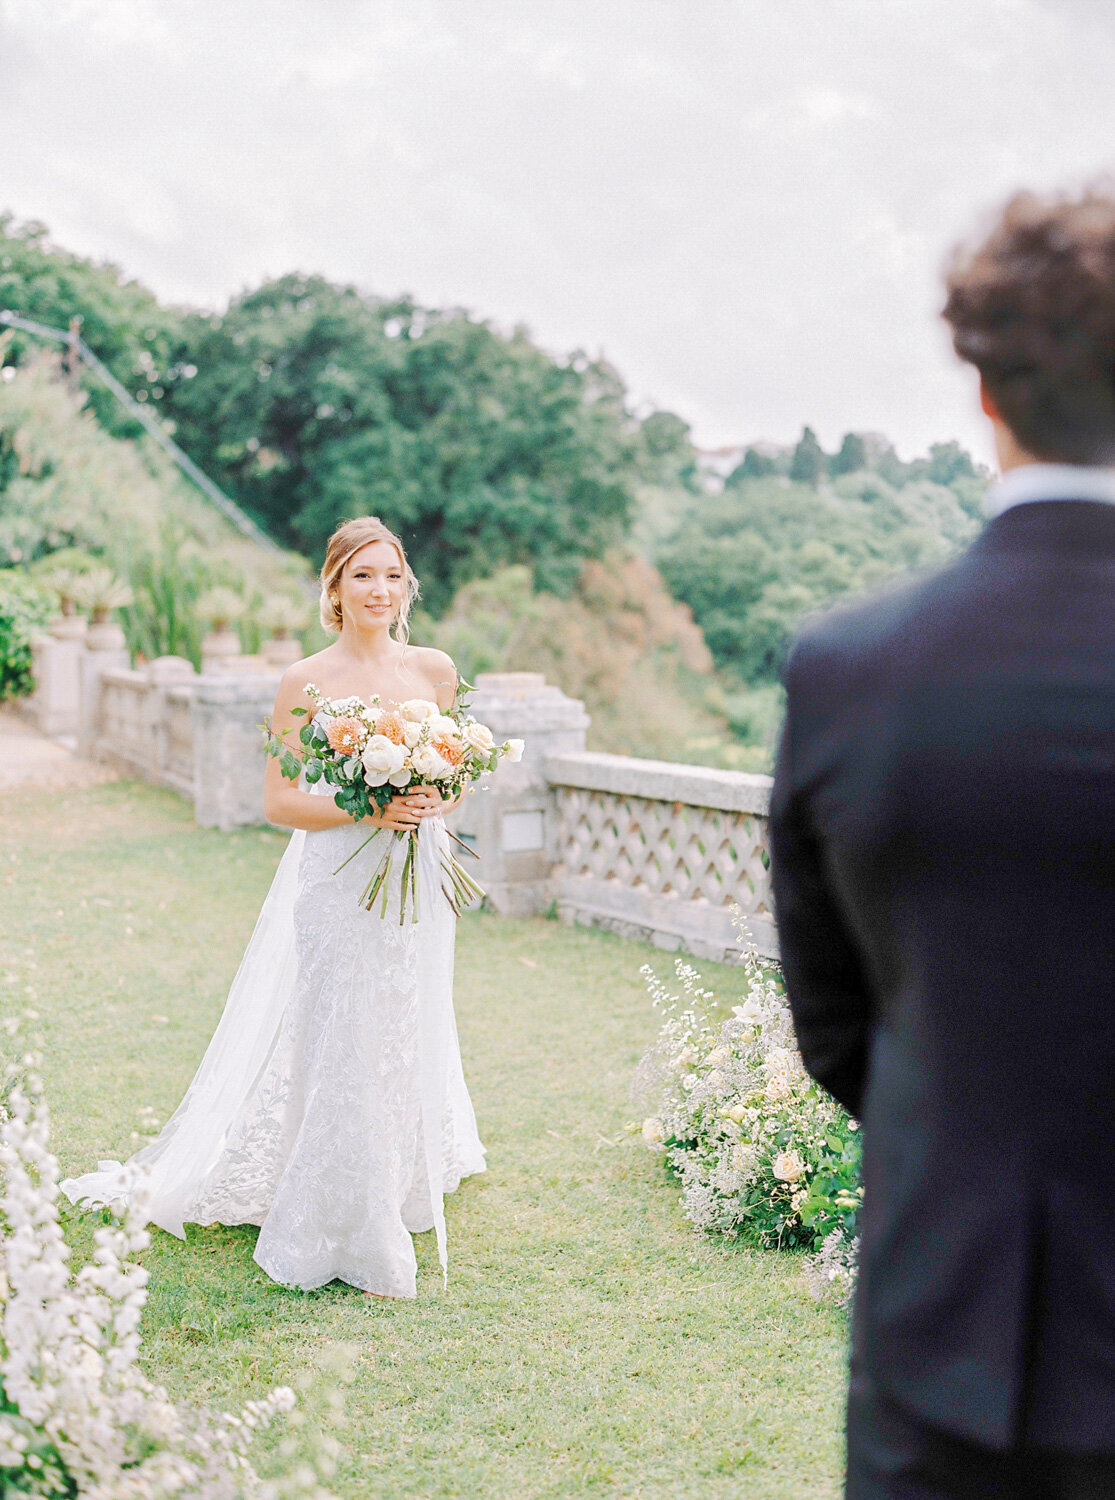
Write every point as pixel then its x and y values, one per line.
pixel 1032 306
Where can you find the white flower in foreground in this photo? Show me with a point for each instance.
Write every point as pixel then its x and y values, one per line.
pixel 653 1132
pixel 787 1166
pixel 515 750
pixel 719 1057
pixel 382 760
pixel 86 1420
pixel 418 710
pixel 750 1011
pixel 479 737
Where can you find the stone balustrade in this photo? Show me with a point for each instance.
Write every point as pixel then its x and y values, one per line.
pixel 673 854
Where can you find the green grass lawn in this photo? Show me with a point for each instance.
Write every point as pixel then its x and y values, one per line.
pixel 589 1342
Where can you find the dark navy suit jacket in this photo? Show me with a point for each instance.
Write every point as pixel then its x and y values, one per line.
pixel 943 841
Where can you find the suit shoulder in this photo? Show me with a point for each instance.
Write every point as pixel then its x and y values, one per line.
pixel 866 632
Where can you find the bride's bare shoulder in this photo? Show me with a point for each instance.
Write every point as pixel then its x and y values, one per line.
pixel 316 668
pixel 430 660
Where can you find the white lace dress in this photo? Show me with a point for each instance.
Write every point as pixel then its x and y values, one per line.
pixel 330 1107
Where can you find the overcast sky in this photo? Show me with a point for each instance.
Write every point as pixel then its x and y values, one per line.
pixel 744 204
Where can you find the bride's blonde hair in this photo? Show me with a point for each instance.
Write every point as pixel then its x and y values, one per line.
pixel 345 542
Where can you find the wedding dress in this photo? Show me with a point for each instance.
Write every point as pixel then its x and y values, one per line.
pixel 330 1107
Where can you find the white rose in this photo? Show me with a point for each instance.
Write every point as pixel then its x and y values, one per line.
pixel 653 1132
pixel 479 736
pixel 737 1113
pixel 718 1057
pixel 382 759
pixel 787 1166
pixel 514 750
pixel 750 1010
pixel 684 1059
pixel 418 710
pixel 412 732
pixel 428 764
pixel 443 724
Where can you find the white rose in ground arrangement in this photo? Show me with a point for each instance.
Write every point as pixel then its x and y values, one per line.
pixel 514 750
pixel 653 1132
pixel 479 736
pixel 419 710
pixel 382 760
pixel 787 1166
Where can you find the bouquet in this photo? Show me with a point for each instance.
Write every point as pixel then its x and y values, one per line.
pixel 368 752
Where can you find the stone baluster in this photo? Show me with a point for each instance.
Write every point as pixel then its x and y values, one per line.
pixel 105 651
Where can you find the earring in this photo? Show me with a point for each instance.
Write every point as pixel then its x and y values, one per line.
pixel 334 601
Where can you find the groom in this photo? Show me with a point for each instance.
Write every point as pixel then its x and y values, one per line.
pixel 943 839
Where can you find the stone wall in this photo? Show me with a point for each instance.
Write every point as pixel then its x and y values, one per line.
pixel 672 854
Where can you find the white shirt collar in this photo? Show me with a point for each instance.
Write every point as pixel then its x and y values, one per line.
pixel 1032 482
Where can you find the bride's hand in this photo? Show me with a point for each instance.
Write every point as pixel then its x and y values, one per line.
pixel 425 801
pixel 407 809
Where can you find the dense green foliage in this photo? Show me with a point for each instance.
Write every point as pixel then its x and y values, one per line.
pixel 312 403
pixel 24 608
pixel 121 321
pixel 70 492
pixel 755 559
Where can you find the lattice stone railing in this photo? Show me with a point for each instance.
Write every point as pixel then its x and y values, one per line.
pixel 663 852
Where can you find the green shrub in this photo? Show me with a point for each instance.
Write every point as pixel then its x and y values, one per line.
pixel 24 609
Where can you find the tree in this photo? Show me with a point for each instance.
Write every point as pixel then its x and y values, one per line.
pixel 755 464
pixel 809 463
pixel 851 457
pixel 121 321
pixel 313 402
pixel 752 561
pixel 949 462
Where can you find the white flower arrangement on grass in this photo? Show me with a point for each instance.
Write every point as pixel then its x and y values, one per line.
pixel 77 1417
pixel 758 1147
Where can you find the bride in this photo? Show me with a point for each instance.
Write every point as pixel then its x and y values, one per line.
pixel 330 1107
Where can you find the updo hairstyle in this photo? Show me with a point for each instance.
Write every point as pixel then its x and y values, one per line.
pixel 343 544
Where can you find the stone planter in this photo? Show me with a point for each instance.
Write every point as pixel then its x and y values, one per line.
pixel 68 627
pixel 219 646
pixel 281 650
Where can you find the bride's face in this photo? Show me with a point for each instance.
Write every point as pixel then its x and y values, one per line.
pixel 372 586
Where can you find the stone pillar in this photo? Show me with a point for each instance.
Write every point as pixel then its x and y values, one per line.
pixel 105 651
pixel 228 747
pixel 510 818
pixel 55 704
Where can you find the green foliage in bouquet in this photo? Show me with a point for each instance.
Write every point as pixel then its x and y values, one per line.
pixel 24 609
pixel 759 1149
